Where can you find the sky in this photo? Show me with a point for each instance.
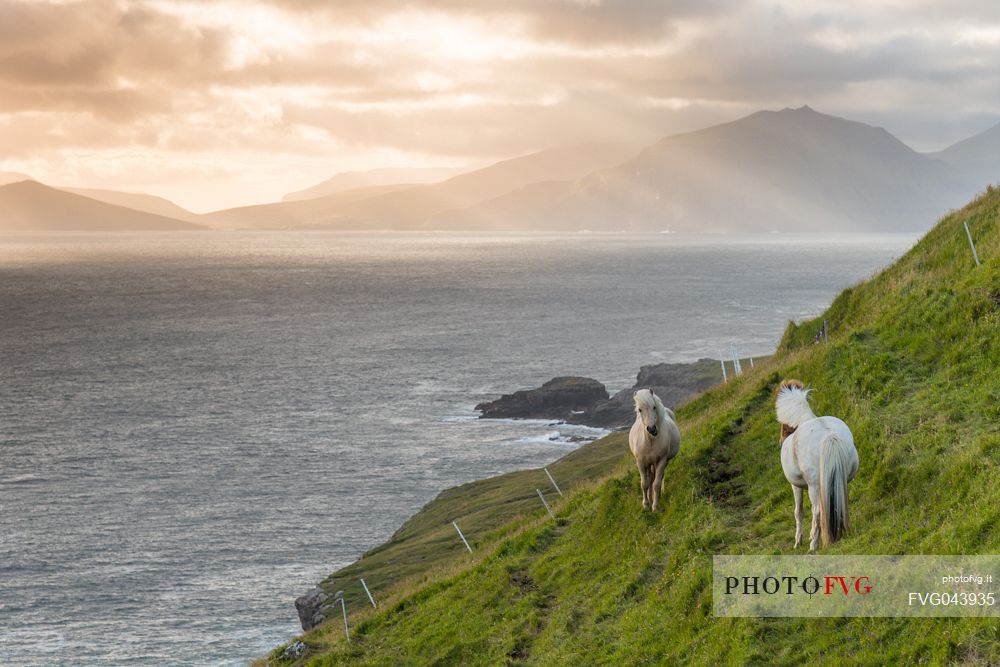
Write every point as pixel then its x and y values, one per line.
pixel 215 103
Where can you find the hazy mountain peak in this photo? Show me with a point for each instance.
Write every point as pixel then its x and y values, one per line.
pixel 352 180
pixel 30 206
pixel 795 169
pixel 985 143
pixel 139 201
pixel 26 185
pixel 802 114
pixel 414 205
pixel 977 158
pixel 7 177
pixel 791 169
pixel 802 110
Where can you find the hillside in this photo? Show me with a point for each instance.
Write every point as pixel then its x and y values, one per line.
pixel 910 365
pixel 299 214
pixel 351 180
pixel 7 177
pixel 977 158
pixel 791 170
pixel 137 201
pixel 411 206
pixel 29 206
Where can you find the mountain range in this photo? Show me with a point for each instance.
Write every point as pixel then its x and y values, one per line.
pixel 793 170
pixel 137 201
pixel 790 170
pixel 976 159
pixel 409 206
pixel 350 180
pixel 29 206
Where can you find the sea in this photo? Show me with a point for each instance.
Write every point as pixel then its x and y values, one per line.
pixel 196 429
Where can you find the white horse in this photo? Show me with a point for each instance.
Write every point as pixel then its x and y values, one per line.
pixel 654 440
pixel 816 453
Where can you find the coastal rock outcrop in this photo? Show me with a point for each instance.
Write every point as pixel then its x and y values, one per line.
pixel 579 400
pixel 559 398
pixel 676 383
pixel 316 606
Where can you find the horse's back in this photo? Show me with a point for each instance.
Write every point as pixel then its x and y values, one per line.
pixel 810 436
pixel 635 435
pixel 675 435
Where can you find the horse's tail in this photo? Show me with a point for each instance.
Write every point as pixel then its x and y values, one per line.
pixel 834 464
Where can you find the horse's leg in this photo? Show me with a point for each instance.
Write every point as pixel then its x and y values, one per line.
pixel 650 475
pixel 814 532
pixel 797 492
pixel 658 481
pixel 644 482
pixel 649 485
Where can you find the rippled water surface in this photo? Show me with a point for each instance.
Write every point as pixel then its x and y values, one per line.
pixel 196 429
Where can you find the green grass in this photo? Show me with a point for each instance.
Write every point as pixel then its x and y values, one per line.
pixel 911 366
pixel 427 544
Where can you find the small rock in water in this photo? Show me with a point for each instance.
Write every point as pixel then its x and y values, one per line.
pixel 556 399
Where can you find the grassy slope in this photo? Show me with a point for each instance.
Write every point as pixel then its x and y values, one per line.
pixel 912 366
pixel 427 544
pixel 486 510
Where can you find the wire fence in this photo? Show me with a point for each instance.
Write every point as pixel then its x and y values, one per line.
pixel 734 361
pixel 465 543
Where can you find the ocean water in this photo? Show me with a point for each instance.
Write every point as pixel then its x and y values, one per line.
pixel 196 429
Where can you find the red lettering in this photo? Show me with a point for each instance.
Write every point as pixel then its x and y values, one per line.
pixel 861 585
pixel 831 581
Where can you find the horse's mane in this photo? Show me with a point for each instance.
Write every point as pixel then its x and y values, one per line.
pixel 791 382
pixel 792 405
pixel 648 398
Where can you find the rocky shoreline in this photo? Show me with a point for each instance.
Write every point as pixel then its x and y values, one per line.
pixel 585 401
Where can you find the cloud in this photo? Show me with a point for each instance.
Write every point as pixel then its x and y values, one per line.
pixel 585 22
pixel 341 85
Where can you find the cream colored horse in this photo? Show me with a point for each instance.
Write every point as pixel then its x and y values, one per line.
pixel 816 453
pixel 654 440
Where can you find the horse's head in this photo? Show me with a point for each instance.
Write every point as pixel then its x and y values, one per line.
pixel 786 429
pixel 648 409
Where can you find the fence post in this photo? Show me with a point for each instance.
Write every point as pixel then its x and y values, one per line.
pixel 547 508
pixel 723 362
pixel 370 598
pixel 343 606
pixel 552 479
pixel 975 254
pixel 464 541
